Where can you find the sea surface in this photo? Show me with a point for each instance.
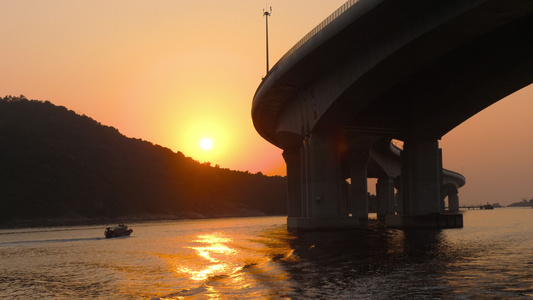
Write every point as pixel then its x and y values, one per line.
pixel 256 258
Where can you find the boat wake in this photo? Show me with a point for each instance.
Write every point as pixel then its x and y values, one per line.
pixel 212 280
pixel 263 273
pixel 51 241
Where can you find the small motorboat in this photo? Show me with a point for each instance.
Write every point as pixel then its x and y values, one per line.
pixel 120 230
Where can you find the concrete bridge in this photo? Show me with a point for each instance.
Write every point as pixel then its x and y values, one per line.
pixel 377 70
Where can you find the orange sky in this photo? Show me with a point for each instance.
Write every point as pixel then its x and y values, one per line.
pixel 174 72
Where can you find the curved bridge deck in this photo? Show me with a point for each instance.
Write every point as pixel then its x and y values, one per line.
pixel 377 70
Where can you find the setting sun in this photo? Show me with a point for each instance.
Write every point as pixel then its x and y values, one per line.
pixel 206 143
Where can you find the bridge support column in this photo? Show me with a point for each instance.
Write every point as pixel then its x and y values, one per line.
pixel 385 195
pixel 293 160
pixel 421 187
pixel 399 200
pixel 358 173
pixel 421 176
pixel 324 194
pixel 453 199
pixel 453 202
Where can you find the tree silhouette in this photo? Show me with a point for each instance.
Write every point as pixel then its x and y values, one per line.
pixel 55 163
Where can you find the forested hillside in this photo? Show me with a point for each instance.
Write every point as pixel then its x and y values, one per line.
pixel 57 164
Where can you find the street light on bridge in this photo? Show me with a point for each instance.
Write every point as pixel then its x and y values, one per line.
pixel 267 13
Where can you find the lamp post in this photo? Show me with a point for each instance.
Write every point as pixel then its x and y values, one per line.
pixel 267 14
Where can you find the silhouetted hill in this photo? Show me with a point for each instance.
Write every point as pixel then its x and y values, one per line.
pixel 57 164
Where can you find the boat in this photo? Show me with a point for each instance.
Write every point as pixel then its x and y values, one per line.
pixel 120 230
pixel 486 206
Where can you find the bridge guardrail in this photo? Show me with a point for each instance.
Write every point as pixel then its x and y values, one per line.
pixel 314 31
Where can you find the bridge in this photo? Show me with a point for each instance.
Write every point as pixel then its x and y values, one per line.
pixel 378 70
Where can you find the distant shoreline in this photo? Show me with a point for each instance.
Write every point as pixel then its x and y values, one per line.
pixel 521 204
pixel 81 221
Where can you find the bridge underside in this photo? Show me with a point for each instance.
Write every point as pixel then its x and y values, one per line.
pixel 410 70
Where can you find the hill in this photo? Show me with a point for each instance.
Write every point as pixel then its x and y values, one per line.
pixel 58 165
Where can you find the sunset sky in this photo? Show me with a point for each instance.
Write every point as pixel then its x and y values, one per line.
pixel 175 72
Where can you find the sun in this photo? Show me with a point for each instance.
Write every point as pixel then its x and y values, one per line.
pixel 206 143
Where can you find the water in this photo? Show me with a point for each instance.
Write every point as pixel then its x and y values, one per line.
pixel 256 258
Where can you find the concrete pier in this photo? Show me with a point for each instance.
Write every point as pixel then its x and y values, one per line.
pixel 421 187
pixel 322 223
pixel 453 199
pixel 293 160
pixel 319 197
pixel 385 195
pixel 358 160
pixel 321 202
pixel 425 221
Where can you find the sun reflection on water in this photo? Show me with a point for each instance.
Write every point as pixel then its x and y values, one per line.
pixel 217 255
pixel 226 263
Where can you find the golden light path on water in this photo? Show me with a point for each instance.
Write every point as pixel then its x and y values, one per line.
pixel 215 251
pixel 228 264
pixel 232 258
